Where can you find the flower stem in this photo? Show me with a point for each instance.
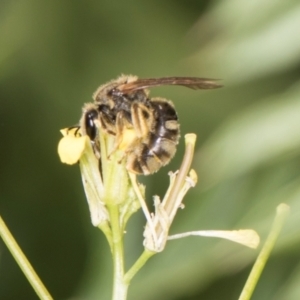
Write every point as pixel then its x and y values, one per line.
pixel 190 140
pixel 138 265
pixel 23 263
pixel 281 214
pixel 119 286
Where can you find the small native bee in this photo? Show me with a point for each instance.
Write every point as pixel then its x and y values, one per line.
pixel 146 129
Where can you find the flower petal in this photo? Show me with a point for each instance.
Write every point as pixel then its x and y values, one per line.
pixel 246 237
pixel 70 148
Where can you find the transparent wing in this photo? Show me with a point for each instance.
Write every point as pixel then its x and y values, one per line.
pixel 189 82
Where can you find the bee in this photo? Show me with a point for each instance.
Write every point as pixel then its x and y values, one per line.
pixel 146 129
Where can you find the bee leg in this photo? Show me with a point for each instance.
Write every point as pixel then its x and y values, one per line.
pixel 143 206
pixel 143 160
pixel 105 124
pixel 142 119
pixel 125 135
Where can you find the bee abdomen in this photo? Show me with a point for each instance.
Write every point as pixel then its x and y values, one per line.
pixel 160 145
pixel 166 125
pixel 152 156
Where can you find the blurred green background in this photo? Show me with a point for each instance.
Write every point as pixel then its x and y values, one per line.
pixel 54 54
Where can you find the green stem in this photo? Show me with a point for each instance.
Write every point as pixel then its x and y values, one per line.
pixel 119 286
pixel 138 265
pixel 23 263
pixel 105 228
pixel 282 212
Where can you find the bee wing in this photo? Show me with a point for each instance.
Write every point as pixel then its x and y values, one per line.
pixel 189 82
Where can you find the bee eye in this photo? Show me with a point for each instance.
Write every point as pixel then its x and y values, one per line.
pixel 91 129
